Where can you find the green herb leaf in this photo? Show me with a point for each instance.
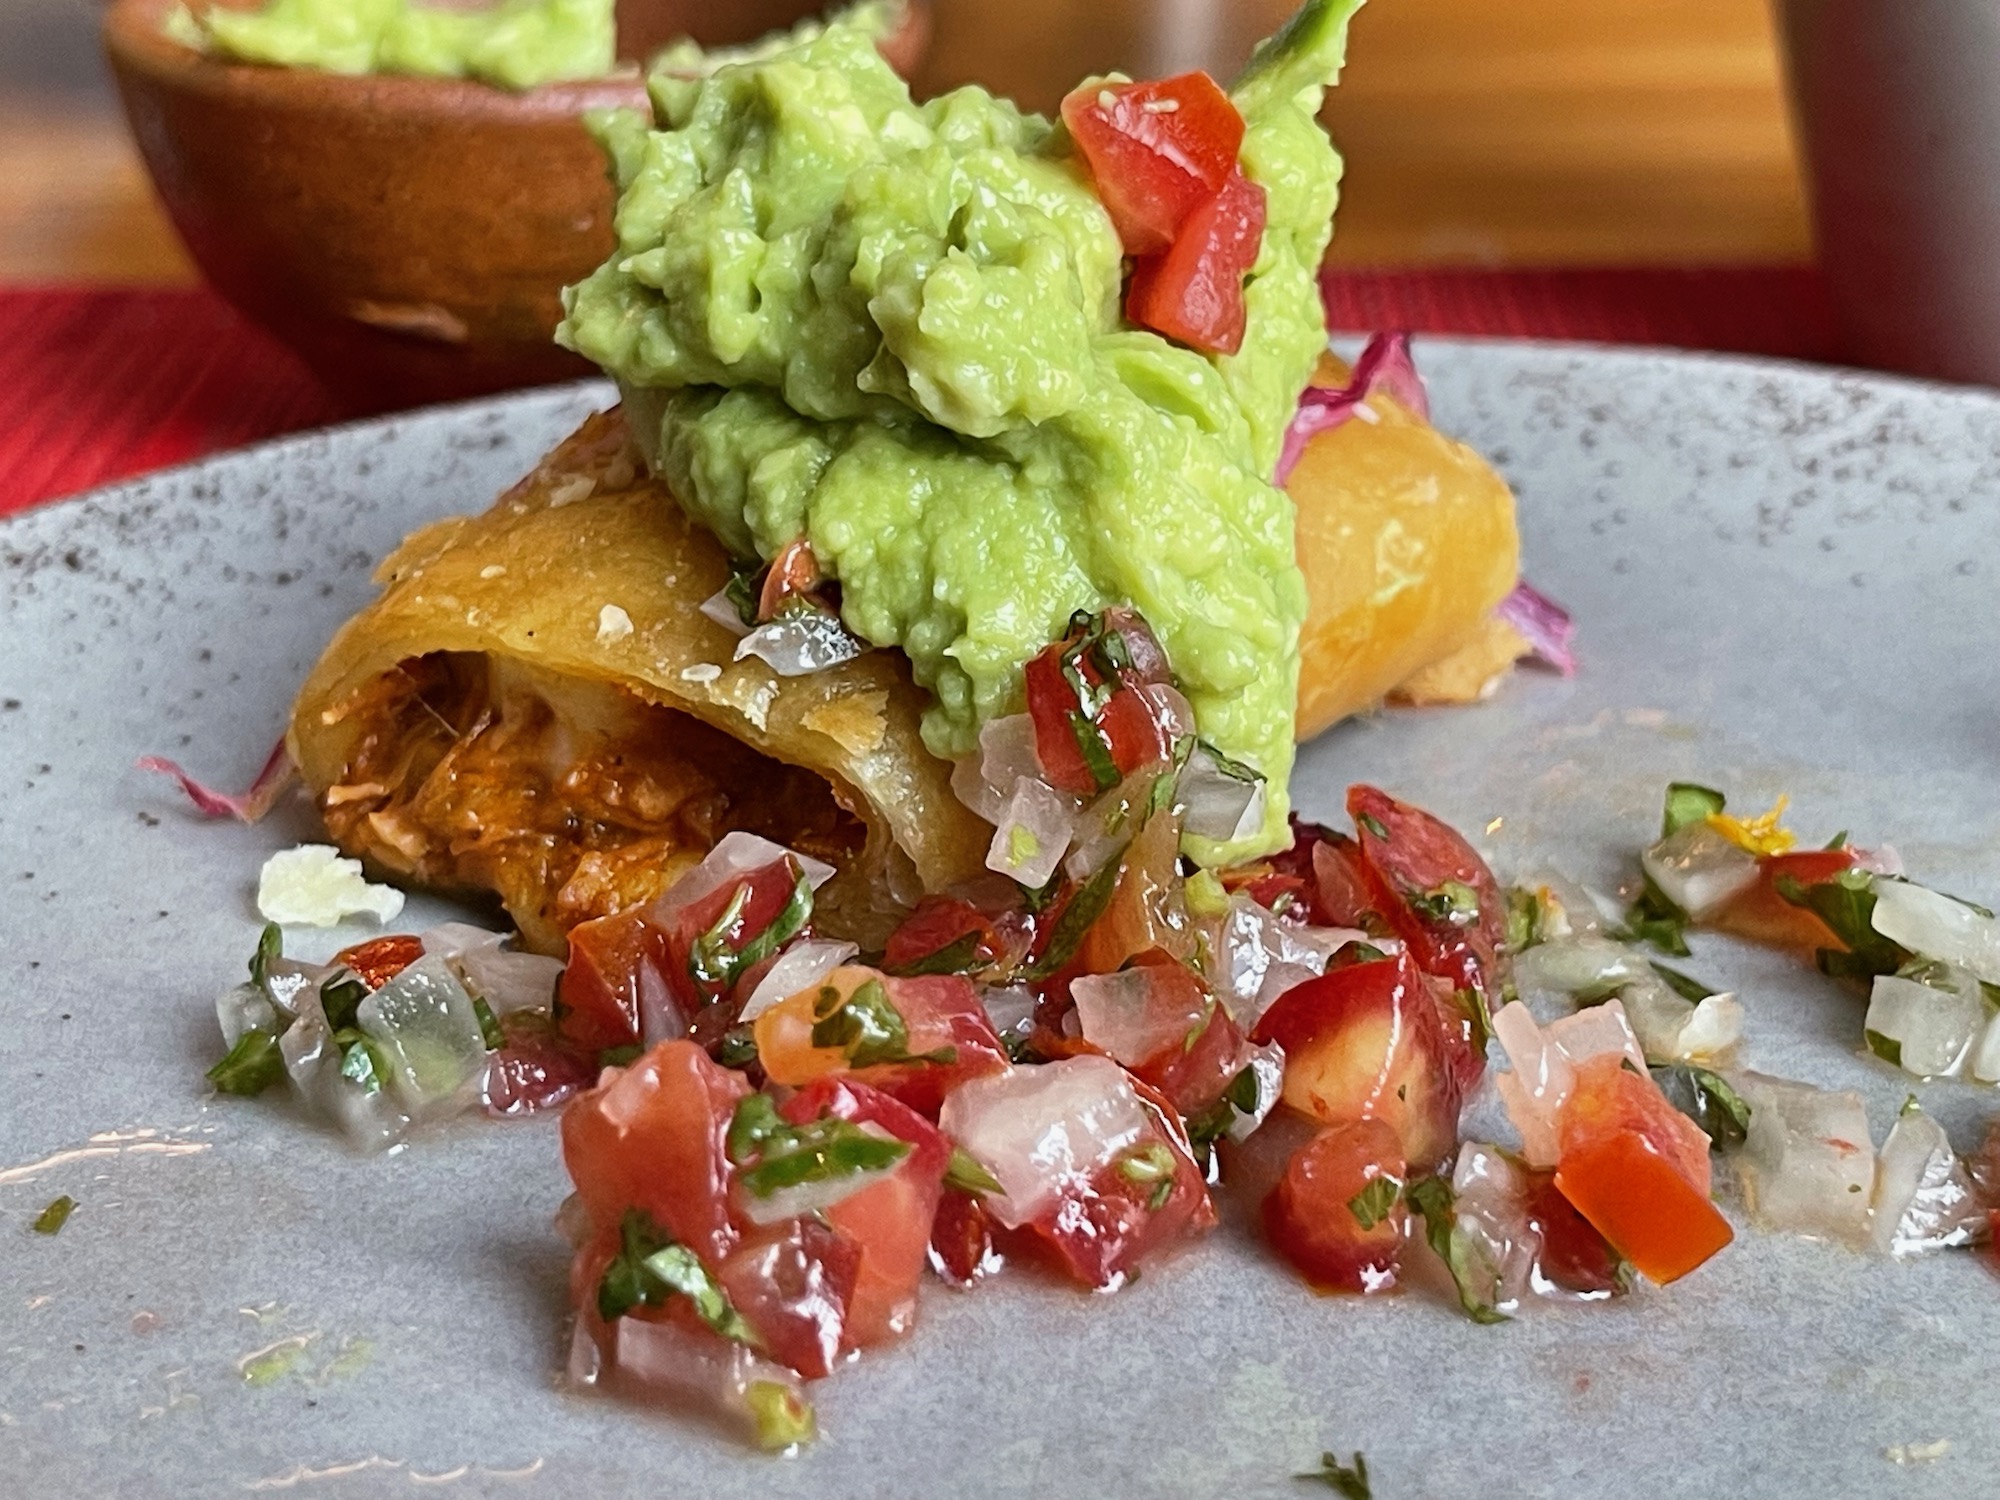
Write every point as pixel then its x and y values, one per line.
pixel 651 1267
pixel 737 1047
pixel 960 956
pixel 1684 985
pixel 252 1065
pixel 51 1219
pixel 1885 1047
pixel 1433 1198
pixel 1847 905
pixel 1374 825
pixel 1078 916
pixel 270 948
pixel 722 953
pixel 489 1024
pixel 1654 919
pixel 967 1175
pixel 1838 841
pixel 359 1062
pixel 1095 750
pixel 1453 902
pixel 1688 803
pixel 1349 1481
pixel 772 1154
pixel 1151 1163
pixel 866 1026
pixel 743 590
pixel 1527 919
pixel 340 999
pixel 1371 1205
pixel 620 1057
pixel 1708 1100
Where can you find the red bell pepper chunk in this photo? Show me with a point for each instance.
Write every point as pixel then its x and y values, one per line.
pixel 1158 151
pixel 1193 291
pixel 381 959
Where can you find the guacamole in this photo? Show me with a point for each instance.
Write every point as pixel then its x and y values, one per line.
pixel 894 329
pixel 516 44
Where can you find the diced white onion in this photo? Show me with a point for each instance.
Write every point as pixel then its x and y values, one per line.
pixel 1936 926
pixel 1252 942
pixel 735 855
pixel 506 978
pixel 1581 965
pixel 720 608
pixel 688 1365
pixel 1808 1165
pixel 1569 910
pixel 1106 826
pixel 1672 1028
pixel 984 781
pixel 1123 1013
pixel 1932 1025
pixel 1489 1197
pixel 1011 1009
pixel 1033 833
pixel 429 1036
pixel 1985 1061
pixel 1171 708
pixel 312 1063
pixel 802 641
pixel 1216 804
pixel 1923 1197
pixel 800 967
pixel 1038 1129
pixel 1699 870
pixel 246 1008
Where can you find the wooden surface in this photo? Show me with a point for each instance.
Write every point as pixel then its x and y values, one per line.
pixel 1543 132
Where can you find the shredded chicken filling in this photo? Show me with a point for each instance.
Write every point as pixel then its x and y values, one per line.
pixel 568 800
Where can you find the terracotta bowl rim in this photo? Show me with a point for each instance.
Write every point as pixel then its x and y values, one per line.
pixel 134 40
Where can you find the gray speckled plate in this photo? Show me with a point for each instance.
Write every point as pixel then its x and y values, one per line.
pixel 1785 580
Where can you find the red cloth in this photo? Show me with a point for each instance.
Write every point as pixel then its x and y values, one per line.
pixel 100 384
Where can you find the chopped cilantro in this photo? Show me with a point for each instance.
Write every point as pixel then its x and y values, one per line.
pixel 967 1175
pixel 1433 1198
pixel 51 1219
pixel 1708 1100
pixel 736 1048
pixel 489 1024
pixel 1847 905
pixel 1453 902
pixel 742 590
pixel 715 959
pixel 1527 919
pixel 867 1026
pixel 1885 1047
pixel 1349 1481
pixel 1371 1205
pixel 1655 919
pixel 959 956
pixel 1078 916
pixel 1838 841
pixel 1374 825
pixel 270 948
pixel 340 1000
pixel 360 1064
pixel 1687 804
pixel 253 1065
pixel 1150 1163
pixel 1095 750
pixel 620 1057
pixel 652 1267
pixel 774 1154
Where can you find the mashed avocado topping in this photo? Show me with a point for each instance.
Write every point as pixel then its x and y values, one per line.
pixel 516 44
pixel 894 329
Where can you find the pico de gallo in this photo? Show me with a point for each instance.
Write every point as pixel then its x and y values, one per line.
pixel 1077 1065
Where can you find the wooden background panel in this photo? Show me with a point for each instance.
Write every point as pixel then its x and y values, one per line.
pixel 1489 131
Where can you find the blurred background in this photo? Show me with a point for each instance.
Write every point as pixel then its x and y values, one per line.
pixel 1540 133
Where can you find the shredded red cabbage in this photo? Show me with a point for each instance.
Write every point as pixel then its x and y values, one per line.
pixel 250 804
pixel 1544 624
pixel 1385 367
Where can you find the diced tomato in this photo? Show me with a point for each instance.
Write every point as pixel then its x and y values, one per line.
pixel 1364 1042
pixel 962 1239
pixel 1344 893
pixel 1315 1214
pixel 651 1137
pixel 1574 1255
pixel 710 941
pixel 1196 1064
pixel 1638 1170
pixel 889 1221
pixel 1157 150
pixel 794 1283
pixel 1763 916
pixel 950 1038
pixel 533 1070
pixel 1282 895
pixel 1193 292
pixel 1092 725
pixel 1442 900
pixel 617 974
pixel 1149 1197
pixel 381 959
pixel 793 572
pixel 943 935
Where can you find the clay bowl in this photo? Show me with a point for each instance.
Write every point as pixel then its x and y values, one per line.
pixel 409 237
